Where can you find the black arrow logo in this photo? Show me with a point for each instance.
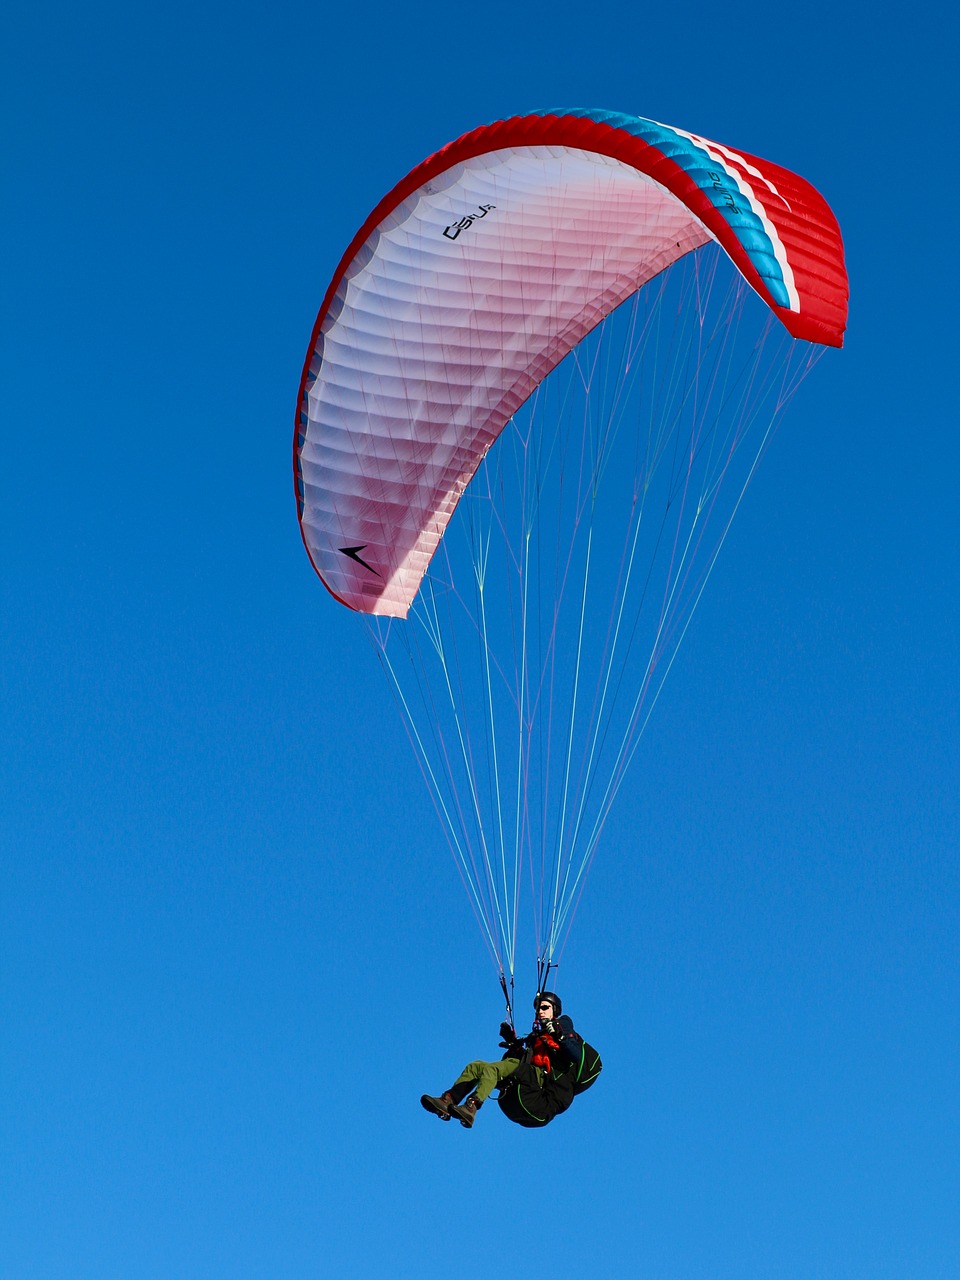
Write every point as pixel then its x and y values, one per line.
pixel 354 554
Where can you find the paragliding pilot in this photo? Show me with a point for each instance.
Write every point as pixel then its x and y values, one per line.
pixel 538 1076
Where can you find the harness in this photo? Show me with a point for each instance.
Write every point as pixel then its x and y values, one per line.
pixel 534 1095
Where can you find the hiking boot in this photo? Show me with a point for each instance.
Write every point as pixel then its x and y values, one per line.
pixel 467 1113
pixel 439 1106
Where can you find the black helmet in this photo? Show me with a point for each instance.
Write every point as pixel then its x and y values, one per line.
pixel 552 997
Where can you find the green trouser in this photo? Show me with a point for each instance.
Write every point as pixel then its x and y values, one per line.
pixel 486 1075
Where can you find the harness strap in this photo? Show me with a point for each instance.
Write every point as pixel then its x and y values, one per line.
pixel 507 997
pixel 543 972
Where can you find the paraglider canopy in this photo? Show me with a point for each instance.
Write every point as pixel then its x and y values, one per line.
pixel 477 274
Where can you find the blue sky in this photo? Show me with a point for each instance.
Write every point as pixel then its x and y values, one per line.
pixel 233 945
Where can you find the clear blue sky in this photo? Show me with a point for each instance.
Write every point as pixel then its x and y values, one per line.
pixel 233 945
